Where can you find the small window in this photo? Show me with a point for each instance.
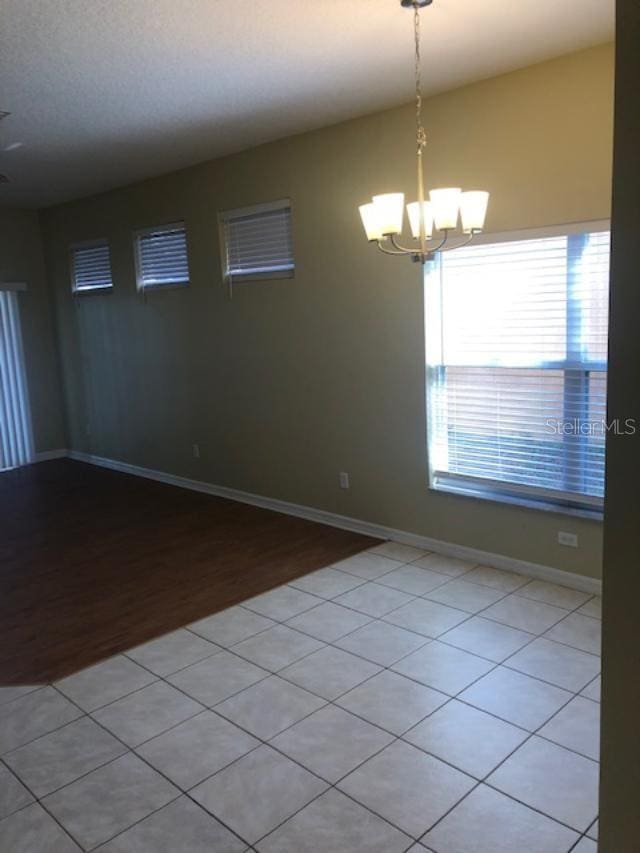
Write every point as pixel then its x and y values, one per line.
pixel 161 256
pixel 257 242
pixel 91 266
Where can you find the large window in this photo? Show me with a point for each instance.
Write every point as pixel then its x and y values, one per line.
pixel 516 367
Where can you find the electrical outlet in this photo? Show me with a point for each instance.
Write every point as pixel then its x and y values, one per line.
pixel 568 539
pixel 196 451
pixel 344 480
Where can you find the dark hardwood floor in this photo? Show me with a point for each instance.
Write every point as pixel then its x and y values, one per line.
pixel 93 562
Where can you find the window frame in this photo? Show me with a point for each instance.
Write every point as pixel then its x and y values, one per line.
pixel 499 491
pixel 224 216
pixel 89 244
pixel 141 287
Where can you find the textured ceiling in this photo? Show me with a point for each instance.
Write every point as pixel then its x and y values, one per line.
pixel 105 92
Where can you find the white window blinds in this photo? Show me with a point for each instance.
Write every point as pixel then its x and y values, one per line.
pixel 517 361
pixel 258 242
pixel 161 256
pixel 91 266
pixel 16 442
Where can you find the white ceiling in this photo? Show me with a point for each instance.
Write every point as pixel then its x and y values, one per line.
pixel 105 92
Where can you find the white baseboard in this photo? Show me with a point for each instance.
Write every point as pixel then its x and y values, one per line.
pixel 485 558
pixel 46 455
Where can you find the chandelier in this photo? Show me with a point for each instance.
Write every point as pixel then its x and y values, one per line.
pixel 382 217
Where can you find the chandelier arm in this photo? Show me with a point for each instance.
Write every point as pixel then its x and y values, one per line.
pixel 441 244
pixel 402 249
pixel 464 242
pixel 388 251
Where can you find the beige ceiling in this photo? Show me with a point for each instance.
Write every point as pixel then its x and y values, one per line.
pixel 105 92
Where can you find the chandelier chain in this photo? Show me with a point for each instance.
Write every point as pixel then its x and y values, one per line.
pixel 421 133
pixel 382 218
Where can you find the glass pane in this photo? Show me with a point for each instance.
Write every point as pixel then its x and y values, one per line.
pixel 593 276
pixel 514 330
pixel 503 425
pixel 506 304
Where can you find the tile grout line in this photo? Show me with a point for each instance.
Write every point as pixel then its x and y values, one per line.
pixel 262 742
pixel 187 792
pixel 34 801
pixel 332 702
pixel 218 649
pixel 35 687
pixel 39 802
pixel 439 639
pixel 463 577
pixel 131 751
pixel 321 600
pixel 271 673
pixel 387 668
pixel 484 780
pixel 530 736
pixel 393 735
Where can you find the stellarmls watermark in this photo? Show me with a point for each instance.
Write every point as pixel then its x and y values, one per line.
pixel 591 428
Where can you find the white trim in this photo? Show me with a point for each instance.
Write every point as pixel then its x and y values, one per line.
pixel 561 230
pixel 46 455
pixel 177 225
pixel 486 558
pixel 254 209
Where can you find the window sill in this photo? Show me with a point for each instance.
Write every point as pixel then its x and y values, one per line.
pixel 88 291
pixel 169 285
pixel 518 501
pixel 266 276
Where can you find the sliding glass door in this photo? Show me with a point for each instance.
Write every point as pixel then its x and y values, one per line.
pixel 16 441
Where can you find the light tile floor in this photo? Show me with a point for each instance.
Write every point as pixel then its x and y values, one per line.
pixel 397 701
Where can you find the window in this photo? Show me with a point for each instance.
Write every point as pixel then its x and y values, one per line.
pixel 257 242
pixel 517 368
pixel 161 256
pixel 16 440
pixel 91 266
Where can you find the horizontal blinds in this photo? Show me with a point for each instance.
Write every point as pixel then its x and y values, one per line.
pixel 16 442
pixel 518 392
pixel 162 256
pixel 259 243
pixel 91 266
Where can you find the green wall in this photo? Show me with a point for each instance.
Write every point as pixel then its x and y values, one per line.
pixel 22 259
pixel 293 381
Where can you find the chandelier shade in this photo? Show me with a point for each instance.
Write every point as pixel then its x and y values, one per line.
pixel 382 218
pixel 413 211
pixel 473 210
pixel 389 210
pixel 446 206
pixel 371 221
